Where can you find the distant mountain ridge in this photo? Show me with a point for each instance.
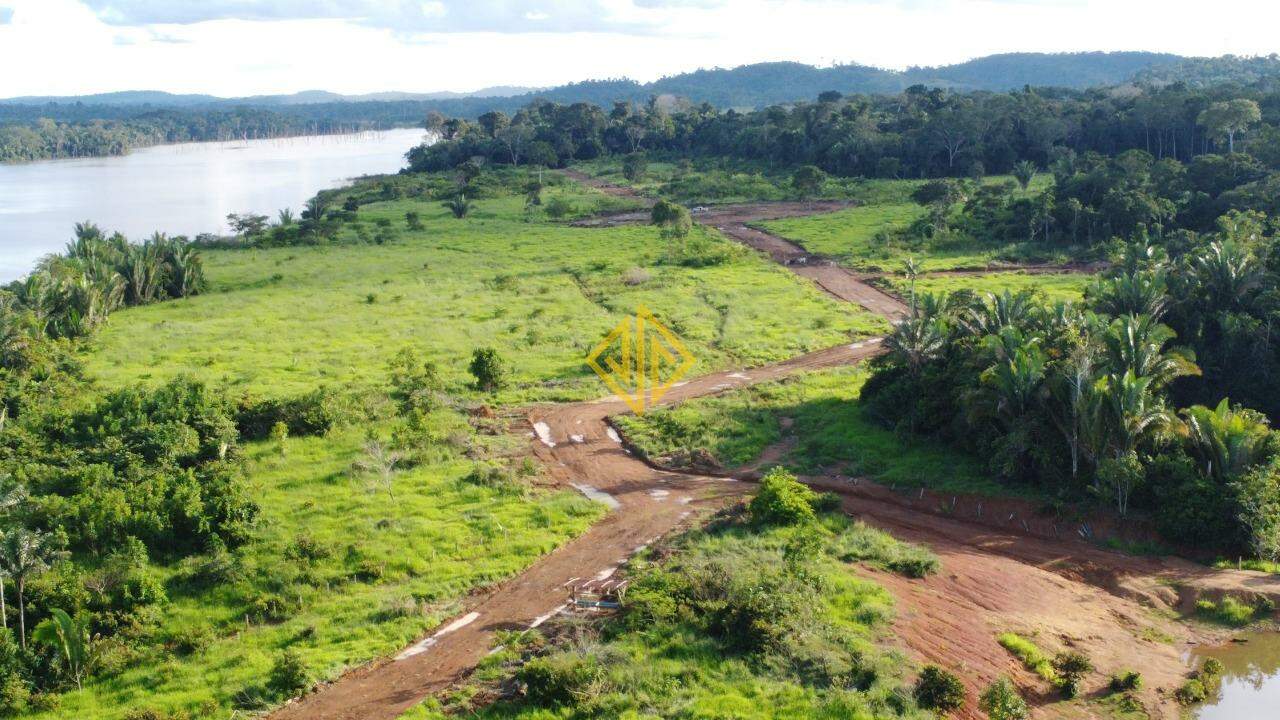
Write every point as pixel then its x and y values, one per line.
pixel 744 87
pixel 160 98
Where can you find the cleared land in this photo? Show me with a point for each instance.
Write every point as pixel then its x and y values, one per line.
pixel 348 573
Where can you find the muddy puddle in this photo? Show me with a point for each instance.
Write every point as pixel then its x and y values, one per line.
pixel 1250 680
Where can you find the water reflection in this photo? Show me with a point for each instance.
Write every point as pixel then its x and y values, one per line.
pixel 179 189
pixel 1250 681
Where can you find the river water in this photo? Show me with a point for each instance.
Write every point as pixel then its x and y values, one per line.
pixel 183 189
pixel 1250 680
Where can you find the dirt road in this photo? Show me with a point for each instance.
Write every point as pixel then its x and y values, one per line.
pixel 580 450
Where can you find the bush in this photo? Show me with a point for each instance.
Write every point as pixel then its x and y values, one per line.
pixel 1001 701
pixel 559 679
pixel 559 207
pixel 1191 692
pixel 190 639
pixel 937 689
pixel 635 276
pixel 1071 668
pixel 288 675
pixel 1126 680
pixel 782 500
pixel 489 369
pixel 315 413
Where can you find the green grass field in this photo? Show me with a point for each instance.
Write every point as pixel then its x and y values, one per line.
pixel 830 430
pixel 288 319
pixel 863 237
pixel 1055 286
pixel 354 573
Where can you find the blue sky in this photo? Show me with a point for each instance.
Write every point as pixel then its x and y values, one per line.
pixel 242 47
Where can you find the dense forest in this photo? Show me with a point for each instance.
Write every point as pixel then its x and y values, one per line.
pixel 111 125
pixel 46 138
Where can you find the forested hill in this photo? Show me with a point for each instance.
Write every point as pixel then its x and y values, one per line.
pixel 747 86
pixel 113 123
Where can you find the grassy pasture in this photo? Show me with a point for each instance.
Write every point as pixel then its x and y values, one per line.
pixel 830 428
pixel 1066 286
pixel 284 320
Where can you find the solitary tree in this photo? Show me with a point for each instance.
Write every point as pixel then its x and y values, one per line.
pixel 634 166
pixel 489 369
pixel 673 219
pixel 1001 701
pixel 1231 118
pixel 807 180
pixel 1024 172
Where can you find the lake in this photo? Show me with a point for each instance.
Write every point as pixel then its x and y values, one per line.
pixel 183 189
pixel 1250 679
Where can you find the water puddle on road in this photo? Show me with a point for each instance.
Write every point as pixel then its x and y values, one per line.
pixel 1250 679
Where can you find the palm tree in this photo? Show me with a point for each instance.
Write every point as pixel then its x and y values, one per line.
pixel 916 341
pixel 1075 407
pixel 284 218
pixel 1227 274
pixel 23 554
pixel 70 639
pixel 1140 293
pixel 1226 440
pixel 1134 413
pixel 459 206
pixel 913 271
pixel 1134 416
pixel 12 494
pixel 1024 172
pixel 1136 344
pixel 989 316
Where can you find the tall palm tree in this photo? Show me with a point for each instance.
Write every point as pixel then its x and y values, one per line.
pixel 23 554
pixel 1075 407
pixel 12 494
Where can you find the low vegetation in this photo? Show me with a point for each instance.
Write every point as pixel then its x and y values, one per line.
pixel 753 616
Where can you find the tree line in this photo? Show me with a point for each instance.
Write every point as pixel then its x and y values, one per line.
pixel 921 132
pixel 1127 397
pixel 45 138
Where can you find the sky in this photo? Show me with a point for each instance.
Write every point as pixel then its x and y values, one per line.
pixel 249 47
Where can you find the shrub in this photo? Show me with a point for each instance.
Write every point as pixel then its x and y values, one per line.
pixel 416 385
pixel 559 679
pixel 314 413
pixel 1001 701
pixel 190 639
pixel 1071 668
pixel 937 689
pixel 1191 692
pixel 782 500
pixel 559 207
pixel 634 166
pixel 1126 680
pixel 635 276
pixel 413 220
pixel 288 675
pixel 14 694
pixel 489 369
pixel 1211 668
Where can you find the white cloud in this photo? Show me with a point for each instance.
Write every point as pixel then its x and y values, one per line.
pixel 244 47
